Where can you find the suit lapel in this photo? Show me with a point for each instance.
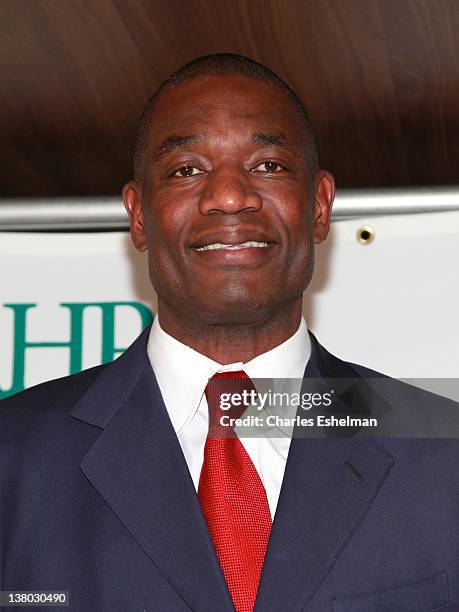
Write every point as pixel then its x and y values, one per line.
pixel 328 486
pixel 138 467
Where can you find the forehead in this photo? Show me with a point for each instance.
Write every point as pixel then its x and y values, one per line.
pixel 222 105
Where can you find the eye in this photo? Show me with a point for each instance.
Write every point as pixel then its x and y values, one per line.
pixel 269 167
pixel 186 171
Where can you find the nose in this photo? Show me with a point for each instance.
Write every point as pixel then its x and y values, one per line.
pixel 228 192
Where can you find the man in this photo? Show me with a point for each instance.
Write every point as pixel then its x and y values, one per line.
pixel 113 488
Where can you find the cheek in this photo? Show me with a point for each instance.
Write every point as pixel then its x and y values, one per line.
pixel 290 200
pixel 299 240
pixel 295 221
pixel 302 264
pixel 166 224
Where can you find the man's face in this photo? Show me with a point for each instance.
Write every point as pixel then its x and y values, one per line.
pixel 227 208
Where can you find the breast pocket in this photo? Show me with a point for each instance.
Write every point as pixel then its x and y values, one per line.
pixel 429 595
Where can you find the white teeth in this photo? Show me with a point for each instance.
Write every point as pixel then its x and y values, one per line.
pixel 232 247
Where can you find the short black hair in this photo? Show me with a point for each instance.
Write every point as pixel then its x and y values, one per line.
pixel 220 64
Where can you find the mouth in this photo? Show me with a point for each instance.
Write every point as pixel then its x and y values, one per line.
pixel 236 245
pixel 220 246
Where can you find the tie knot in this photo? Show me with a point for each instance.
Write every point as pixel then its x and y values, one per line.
pixel 228 394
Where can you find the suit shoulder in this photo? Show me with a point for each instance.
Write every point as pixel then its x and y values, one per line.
pixel 336 366
pixel 55 396
pixel 365 372
pixel 397 391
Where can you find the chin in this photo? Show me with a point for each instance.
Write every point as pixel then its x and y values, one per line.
pixel 232 311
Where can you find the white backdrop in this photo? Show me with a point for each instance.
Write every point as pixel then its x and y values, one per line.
pixel 392 304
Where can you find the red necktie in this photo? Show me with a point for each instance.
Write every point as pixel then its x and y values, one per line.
pixel 233 498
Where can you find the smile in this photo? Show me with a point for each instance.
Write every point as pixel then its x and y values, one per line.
pixel 217 246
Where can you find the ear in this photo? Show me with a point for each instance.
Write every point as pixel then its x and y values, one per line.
pixel 324 194
pixel 133 206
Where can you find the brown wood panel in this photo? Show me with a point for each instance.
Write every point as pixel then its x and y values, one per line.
pixel 380 78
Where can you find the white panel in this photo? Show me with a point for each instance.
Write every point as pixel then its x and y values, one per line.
pixel 392 304
pixel 53 269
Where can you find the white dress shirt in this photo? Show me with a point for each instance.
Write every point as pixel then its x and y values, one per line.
pixel 183 373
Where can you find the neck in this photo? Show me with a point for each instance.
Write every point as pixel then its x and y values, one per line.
pixel 231 343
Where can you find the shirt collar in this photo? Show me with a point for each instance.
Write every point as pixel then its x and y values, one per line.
pixel 182 373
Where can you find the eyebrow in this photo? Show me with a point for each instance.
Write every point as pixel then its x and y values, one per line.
pixel 271 139
pixel 174 143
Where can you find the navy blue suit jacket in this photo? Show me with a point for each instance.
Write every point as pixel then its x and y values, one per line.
pixel 96 499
